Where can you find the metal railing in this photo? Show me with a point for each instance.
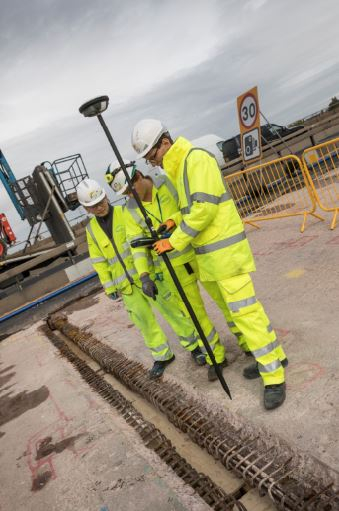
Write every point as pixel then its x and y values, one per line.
pixel 276 189
pixel 321 163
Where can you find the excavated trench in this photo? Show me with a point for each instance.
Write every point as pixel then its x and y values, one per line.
pixel 272 472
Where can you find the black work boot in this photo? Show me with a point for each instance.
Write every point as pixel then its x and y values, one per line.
pixel 251 372
pixel 159 367
pixel 274 395
pixel 198 357
pixel 212 374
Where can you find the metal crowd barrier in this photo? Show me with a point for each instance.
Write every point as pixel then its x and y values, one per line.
pixel 276 189
pixel 321 162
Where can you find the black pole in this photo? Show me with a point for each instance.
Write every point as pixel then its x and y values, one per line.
pixel 166 259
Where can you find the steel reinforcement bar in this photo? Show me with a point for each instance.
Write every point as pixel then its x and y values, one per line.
pixel 152 437
pixel 260 467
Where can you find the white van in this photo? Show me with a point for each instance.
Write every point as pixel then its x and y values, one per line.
pixel 213 144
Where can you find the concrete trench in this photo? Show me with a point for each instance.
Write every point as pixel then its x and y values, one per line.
pixel 272 471
pixel 151 436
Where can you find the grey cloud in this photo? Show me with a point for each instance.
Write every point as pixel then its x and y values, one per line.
pixel 289 49
pixel 51 50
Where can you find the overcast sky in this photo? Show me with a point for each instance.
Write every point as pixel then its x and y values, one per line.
pixel 183 61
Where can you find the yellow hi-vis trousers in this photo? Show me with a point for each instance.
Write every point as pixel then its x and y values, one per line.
pixel 219 299
pixel 191 288
pixel 247 313
pixel 139 307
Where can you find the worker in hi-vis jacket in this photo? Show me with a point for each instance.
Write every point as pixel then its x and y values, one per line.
pixel 159 199
pixel 112 259
pixel 210 223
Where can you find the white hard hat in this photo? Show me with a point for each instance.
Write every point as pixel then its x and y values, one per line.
pixel 116 178
pixel 89 192
pixel 146 134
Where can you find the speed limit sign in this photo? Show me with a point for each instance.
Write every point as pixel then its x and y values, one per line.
pixel 248 111
pixel 249 122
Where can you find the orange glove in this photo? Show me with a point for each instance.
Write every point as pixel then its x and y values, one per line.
pixel 162 246
pixel 166 226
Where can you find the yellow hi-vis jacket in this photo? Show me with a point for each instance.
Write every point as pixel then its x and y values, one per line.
pixel 104 258
pixel 210 220
pixel 164 205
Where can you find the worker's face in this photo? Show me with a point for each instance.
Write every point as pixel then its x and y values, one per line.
pixel 100 209
pixel 139 185
pixel 155 156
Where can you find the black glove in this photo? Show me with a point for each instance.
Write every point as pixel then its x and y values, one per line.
pixel 148 286
pixel 162 229
pixel 114 295
pixel 166 226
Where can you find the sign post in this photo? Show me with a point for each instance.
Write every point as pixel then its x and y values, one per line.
pixel 249 121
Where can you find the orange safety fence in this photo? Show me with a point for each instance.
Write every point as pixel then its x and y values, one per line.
pixel 321 162
pixel 271 190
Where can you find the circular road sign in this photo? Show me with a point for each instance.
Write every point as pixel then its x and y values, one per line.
pixel 248 111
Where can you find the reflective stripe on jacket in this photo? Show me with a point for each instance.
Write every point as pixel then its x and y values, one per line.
pixel 104 258
pixel 164 205
pixel 210 220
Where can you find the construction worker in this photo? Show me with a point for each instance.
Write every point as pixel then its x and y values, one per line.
pixel 144 187
pixel 112 260
pixel 211 224
pixel 159 198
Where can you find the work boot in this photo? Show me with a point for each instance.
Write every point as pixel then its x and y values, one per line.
pixel 274 395
pixel 159 367
pixel 212 374
pixel 198 357
pixel 251 372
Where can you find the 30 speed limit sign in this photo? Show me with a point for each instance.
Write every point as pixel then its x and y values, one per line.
pixel 249 122
pixel 248 111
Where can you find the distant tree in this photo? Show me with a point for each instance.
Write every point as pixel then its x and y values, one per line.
pixel 334 103
pixel 296 123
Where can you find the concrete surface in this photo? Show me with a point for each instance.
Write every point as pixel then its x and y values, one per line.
pixel 297 281
pixel 17 322
pixel 64 448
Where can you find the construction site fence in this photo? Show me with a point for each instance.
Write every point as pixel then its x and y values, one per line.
pixel 322 164
pixel 289 186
